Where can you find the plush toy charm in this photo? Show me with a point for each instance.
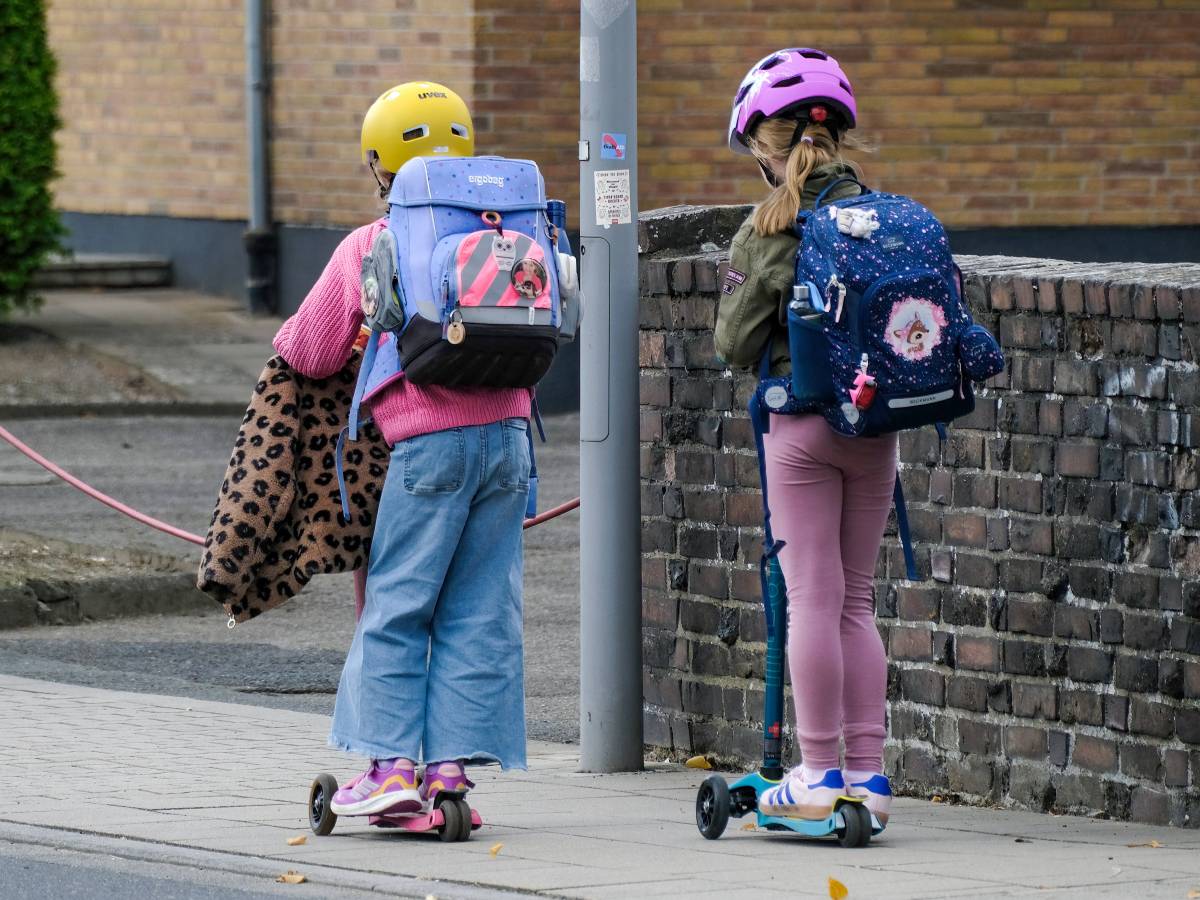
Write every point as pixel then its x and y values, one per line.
pixel 858 223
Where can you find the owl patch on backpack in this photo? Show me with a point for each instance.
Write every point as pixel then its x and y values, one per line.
pixel 914 328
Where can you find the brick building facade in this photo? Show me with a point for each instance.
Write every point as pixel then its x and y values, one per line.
pixel 1050 657
pixel 1007 115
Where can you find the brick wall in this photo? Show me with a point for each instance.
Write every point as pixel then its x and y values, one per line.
pixel 1050 658
pixel 153 101
pixel 1022 113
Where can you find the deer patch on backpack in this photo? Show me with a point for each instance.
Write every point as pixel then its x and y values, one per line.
pixel 914 328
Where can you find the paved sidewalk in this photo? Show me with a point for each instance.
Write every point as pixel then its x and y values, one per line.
pixel 193 353
pixel 225 785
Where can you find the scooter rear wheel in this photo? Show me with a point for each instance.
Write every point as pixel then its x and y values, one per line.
pixel 865 825
pixel 464 818
pixel 857 829
pixel 321 818
pixel 712 807
pixel 452 821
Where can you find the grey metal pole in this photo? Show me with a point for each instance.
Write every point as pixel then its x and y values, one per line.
pixel 610 702
pixel 259 237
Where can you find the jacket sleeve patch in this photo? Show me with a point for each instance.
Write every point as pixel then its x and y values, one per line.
pixel 733 280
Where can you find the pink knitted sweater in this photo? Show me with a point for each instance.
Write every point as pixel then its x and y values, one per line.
pixel 318 339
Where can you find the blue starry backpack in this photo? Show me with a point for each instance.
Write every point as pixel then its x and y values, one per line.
pixel 881 336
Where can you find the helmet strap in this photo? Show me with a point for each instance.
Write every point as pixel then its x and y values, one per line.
pixel 801 124
pixel 767 173
pixel 385 184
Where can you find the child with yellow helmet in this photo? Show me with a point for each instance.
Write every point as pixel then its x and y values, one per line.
pixel 435 671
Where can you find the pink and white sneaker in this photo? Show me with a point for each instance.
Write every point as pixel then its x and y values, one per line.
pixel 387 786
pixel 803 794
pixel 444 776
pixel 876 791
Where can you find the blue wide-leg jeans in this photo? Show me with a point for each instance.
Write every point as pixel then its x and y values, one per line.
pixel 435 671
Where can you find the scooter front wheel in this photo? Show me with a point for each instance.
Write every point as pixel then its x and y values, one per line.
pixel 321 818
pixel 712 807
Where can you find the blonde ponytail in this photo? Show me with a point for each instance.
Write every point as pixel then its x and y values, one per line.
pixel 772 140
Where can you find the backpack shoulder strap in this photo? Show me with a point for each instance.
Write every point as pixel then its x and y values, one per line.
pixel 351 429
pixel 910 563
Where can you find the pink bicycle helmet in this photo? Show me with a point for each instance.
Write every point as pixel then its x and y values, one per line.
pixel 787 82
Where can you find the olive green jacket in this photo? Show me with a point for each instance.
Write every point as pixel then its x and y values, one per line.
pixel 758 284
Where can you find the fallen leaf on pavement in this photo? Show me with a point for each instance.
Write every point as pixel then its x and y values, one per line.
pixel 290 877
pixel 495 849
pixel 1152 844
pixel 698 762
pixel 936 798
pixel 749 826
pixel 297 841
pixel 1194 894
pixel 837 890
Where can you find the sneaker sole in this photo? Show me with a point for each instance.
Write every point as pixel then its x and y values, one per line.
pixel 375 805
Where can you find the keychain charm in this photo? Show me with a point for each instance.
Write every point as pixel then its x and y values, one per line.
pixel 456 331
pixel 862 395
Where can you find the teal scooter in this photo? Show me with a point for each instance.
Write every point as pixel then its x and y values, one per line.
pixel 850 821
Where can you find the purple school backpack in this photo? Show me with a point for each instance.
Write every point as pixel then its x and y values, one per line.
pixel 471 258
pixel 472 283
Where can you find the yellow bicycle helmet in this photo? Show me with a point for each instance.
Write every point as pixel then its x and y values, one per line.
pixel 418 118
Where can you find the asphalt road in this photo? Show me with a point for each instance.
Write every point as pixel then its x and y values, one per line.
pixel 170 468
pixel 29 870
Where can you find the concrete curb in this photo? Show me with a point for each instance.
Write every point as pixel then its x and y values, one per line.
pixel 69 601
pixel 99 843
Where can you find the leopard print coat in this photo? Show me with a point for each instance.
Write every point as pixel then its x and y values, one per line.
pixel 278 519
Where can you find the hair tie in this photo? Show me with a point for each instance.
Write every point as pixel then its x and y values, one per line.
pixel 807 139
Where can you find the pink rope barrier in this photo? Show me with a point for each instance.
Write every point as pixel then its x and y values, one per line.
pixel 171 529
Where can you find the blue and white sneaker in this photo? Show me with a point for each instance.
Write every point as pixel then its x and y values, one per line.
pixel 876 792
pixel 803 794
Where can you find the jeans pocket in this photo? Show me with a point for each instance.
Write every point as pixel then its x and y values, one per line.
pixel 514 468
pixel 435 463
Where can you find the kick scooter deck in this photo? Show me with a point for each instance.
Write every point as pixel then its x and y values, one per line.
pixel 451 817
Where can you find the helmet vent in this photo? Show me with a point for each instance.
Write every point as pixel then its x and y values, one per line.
pixel 417 133
pixel 849 90
pixel 459 130
pixel 741 94
pixel 789 81
pixel 814 54
pixel 771 63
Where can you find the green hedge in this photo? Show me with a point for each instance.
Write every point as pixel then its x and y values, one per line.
pixel 29 225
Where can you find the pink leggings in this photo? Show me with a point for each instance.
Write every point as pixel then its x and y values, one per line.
pixel 829 497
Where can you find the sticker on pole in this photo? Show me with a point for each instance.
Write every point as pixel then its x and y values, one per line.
pixel 613 205
pixel 612 145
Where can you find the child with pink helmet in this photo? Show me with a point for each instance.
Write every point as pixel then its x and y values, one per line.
pixel 829 494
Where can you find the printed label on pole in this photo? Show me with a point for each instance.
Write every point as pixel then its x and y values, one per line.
pixel 612 145
pixel 612 197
